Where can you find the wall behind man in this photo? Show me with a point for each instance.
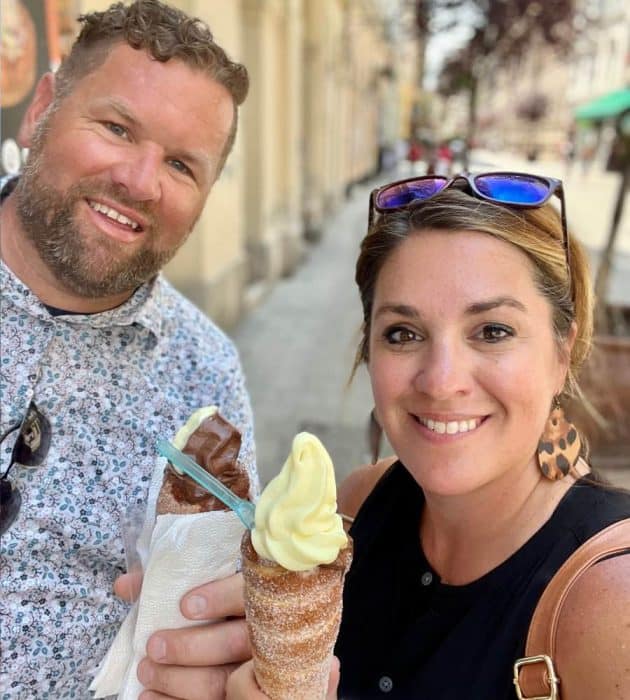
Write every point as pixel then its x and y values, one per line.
pixel 210 268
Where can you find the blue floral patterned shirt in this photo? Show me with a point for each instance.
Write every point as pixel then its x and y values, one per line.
pixel 110 384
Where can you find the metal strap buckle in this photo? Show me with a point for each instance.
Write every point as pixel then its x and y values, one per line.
pixel 550 677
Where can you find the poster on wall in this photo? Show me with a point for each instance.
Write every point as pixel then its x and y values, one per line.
pixel 28 49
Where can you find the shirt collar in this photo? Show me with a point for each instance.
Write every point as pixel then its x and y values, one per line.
pixel 142 309
pixel 7 185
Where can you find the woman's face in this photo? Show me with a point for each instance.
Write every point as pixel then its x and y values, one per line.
pixel 462 359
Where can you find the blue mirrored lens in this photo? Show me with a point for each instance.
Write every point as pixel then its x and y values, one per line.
pixel 513 189
pixel 407 192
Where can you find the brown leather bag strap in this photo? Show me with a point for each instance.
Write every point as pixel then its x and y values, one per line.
pixel 535 677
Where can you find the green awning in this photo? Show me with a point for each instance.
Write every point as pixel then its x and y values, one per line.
pixel 605 107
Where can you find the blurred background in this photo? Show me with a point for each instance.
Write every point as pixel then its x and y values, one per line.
pixel 348 94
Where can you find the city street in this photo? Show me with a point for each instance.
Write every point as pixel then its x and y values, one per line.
pixel 298 344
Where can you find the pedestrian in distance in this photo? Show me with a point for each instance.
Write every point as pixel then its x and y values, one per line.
pixel 569 150
pixel 444 162
pixel 100 355
pixel 414 153
pixel 477 314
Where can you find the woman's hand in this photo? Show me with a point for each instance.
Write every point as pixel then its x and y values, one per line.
pixel 242 683
pixel 194 663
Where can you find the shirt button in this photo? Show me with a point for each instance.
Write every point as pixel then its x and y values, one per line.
pixel 385 683
pixel 426 578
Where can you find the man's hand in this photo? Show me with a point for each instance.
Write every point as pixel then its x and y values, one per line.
pixel 242 683
pixel 194 663
pixel 127 586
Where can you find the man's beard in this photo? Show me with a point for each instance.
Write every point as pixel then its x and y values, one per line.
pixel 92 267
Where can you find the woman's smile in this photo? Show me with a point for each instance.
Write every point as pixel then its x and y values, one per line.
pixel 449 426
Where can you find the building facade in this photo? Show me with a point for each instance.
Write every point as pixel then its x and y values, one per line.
pixel 527 104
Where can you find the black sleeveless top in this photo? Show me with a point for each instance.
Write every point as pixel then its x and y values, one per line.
pixel 404 634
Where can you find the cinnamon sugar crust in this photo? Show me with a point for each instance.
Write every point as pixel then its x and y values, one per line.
pixel 293 620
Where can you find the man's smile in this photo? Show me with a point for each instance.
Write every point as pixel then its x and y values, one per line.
pixel 114 214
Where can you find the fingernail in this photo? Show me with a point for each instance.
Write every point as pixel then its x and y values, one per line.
pixel 145 673
pixel 195 605
pixel 156 648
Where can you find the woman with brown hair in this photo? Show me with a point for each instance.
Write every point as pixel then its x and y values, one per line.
pixel 477 317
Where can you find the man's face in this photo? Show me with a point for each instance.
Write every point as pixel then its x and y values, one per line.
pixel 120 169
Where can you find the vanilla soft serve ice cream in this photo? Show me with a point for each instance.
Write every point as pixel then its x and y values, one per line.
pixel 297 524
pixel 294 564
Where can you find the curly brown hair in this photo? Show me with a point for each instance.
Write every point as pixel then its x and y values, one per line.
pixel 162 31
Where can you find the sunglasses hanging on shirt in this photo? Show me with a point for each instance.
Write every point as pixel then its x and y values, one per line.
pixel 30 450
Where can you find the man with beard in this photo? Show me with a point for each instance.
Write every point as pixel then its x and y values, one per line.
pixel 100 355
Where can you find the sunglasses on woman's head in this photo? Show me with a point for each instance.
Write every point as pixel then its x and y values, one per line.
pixel 518 190
pixel 30 450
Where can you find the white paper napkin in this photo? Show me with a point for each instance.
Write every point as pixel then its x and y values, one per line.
pixel 184 551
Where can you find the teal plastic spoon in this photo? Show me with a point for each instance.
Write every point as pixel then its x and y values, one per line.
pixel 244 509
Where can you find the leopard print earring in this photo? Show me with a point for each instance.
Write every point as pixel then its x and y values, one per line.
pixel 559 446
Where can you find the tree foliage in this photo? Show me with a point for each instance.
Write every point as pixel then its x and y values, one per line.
pixel 502 28
pixel 533 107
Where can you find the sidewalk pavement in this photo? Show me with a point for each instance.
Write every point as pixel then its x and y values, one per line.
pixel 297 349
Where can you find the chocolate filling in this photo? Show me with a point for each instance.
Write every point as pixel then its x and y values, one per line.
pixel 214 445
